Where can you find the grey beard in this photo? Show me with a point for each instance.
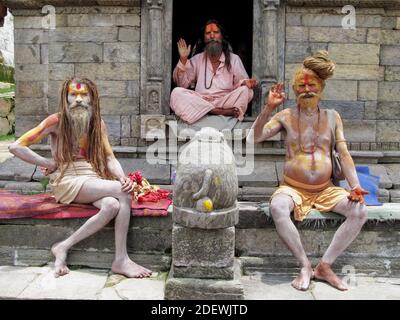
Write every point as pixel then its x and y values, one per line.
pixel 214 49
pixel 79 118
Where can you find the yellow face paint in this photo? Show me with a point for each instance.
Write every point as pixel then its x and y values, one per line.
pixel 78 88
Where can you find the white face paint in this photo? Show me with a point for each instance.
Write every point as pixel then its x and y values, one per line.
pixel 78 95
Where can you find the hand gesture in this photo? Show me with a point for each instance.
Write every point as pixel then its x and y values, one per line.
pixel 50 168
pixel 251 83
pixel 357 195
pixel 127 184
pixel 184 50
pixel 276 96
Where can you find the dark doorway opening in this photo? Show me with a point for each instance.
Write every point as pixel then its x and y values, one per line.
pixel 237 20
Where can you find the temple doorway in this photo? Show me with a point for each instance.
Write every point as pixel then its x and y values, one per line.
pixel 237 20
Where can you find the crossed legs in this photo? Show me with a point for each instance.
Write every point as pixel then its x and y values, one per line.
pixel 113 203
pixel 356 215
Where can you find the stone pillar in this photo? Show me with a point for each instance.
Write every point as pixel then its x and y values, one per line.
pixel 153 64
pixel 268 47
pixel 204 216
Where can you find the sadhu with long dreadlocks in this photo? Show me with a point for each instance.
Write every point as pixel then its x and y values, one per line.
pixel 307 174
pixel 83 169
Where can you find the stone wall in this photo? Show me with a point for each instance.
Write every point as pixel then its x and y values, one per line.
pixel 365 89
pixel 7 40
pixel 100 43
pixel 125 49
pixel 7 116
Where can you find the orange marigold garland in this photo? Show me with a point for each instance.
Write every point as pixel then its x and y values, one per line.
pixel 144 191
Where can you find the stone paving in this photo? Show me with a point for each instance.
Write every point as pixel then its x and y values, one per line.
pixel 100 284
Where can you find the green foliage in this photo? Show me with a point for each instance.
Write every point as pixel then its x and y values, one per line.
pixel 7 90
pixel 7 137
pixel 44 182
pixel 6 73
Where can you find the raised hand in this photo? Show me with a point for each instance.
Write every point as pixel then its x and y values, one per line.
pixel 276 96
pixel 184 50
pixel 251 83
pixel 357 195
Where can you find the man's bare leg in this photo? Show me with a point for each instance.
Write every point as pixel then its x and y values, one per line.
pixel 281 207
pixel 107 194
pixel 356 215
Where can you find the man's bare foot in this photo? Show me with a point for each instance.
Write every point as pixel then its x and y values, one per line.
pixel 60 265
pixel 130 269
pixel 302 281
pixel 324 272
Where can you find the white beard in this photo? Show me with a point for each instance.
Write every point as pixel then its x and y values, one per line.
pixel 79 118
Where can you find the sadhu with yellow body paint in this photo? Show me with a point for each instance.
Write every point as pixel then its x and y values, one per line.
pixel 83 169
pixel 307 170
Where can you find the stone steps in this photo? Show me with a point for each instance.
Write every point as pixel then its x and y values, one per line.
pixel 257 245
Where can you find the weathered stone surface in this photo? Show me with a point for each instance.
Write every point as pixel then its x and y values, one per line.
pixel 85 284
pixel 27 53
pixel 392 73
pixel 394 174
pixel 351 53
pixel 329 34
pixel 21 280
pixel 113 124
pixel 264 175
pixel 374 35
pixel 75 52
pixel 82 34
pixel 293 19
pixel 128 34
pixel 380 170
pixel 210 289
pixel 122 52
pixel 203 248
pixel 60 71
pixel 367 90
pixel 30 89
pixel 5 107
pixel 388 131
pixel 389 91
pixel 115 89
pixel 297 51
pixel 297 34
pixel 135 126
pixel 390 56
pixel 388 110
pixel 359 130
pixel 133 89
pixel 395 195
pixel 103 20
pixel 225 273
pixel 391 37
pixel 141 289
pixel 5 126
pixel 262 286
pixel 15 168
pixel 30 106
pixel 348 110
pixel 24 187
pixel 31 72
pixel 217 219
pixel 328 20
pixel 29 36
pixel 346 89
pixel 108 71
pixel 119 106
pixel 21 22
